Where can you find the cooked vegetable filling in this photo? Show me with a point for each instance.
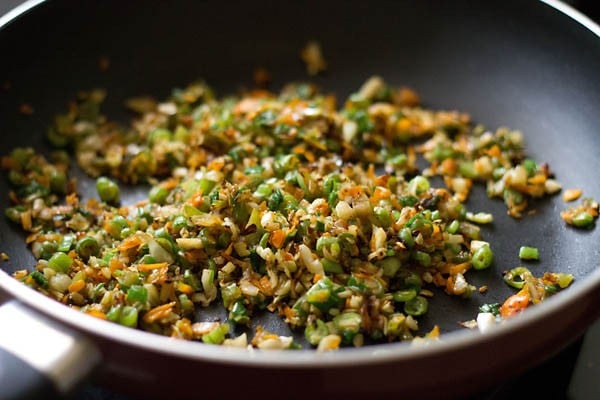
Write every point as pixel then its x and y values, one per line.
pixel 270 201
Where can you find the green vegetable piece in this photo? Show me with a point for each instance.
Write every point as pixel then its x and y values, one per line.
pixel 583 219
pixel 418 185
pixel 493 308
pixel 239 313
pixel 129 316
pixel 86 247
pixel 405 234
pixel 39 279
pixel 322 295
pixel 529 253
pixel 396 324
pixel 530 166
pixel 483 257
pixel 114 313
pixel 116 226
pixel 467 169
pixel 137 294
pixel 230 294
pixel 390 266
pixel 414 281
pixel 158 195
pixel 348 325
pixel 108 190
pixel 402 296
pixel 275 200
pixel 383 216
pixel 159 135
pixel 452 228
pixel 564 280
pixel 187 306
pixel 416 306
pixel 516 277
pixel 315 332
pixel 66 243
pixel 58 182
pixel 217 335
pixel 180 222
pixel 331 267
pixel 422 258
pixel 60 262
pixel 14 213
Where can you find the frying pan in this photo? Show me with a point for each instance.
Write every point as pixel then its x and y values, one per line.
pixel 529 65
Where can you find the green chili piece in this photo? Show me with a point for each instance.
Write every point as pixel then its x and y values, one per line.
pixel 413 280
pixel 405 295
pixel 416 306
pixel 107 190
pixel 529 253
pixel 483 257
pixel 86 247
pixel 48 249
pixel 516 277
pixel 60 262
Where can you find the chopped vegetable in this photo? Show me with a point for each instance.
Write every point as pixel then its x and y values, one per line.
pixel 529 253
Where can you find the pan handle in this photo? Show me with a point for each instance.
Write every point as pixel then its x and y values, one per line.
pixel 39 358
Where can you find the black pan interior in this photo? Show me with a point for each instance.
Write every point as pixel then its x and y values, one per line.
pixel 516 63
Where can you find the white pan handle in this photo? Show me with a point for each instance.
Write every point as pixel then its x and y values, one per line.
pixel 39 358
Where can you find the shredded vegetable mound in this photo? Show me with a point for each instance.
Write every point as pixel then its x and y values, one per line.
pixel 262 201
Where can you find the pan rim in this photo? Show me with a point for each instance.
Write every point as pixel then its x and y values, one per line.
pixel 394 352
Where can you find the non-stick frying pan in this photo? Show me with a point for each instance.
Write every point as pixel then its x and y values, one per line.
pixel 529 65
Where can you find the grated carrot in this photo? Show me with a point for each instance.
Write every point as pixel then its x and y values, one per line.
pixel 150 267
pixel 76 286
pixel 159 312
pixel 96 313
pixel 515 304
pixel 185 288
